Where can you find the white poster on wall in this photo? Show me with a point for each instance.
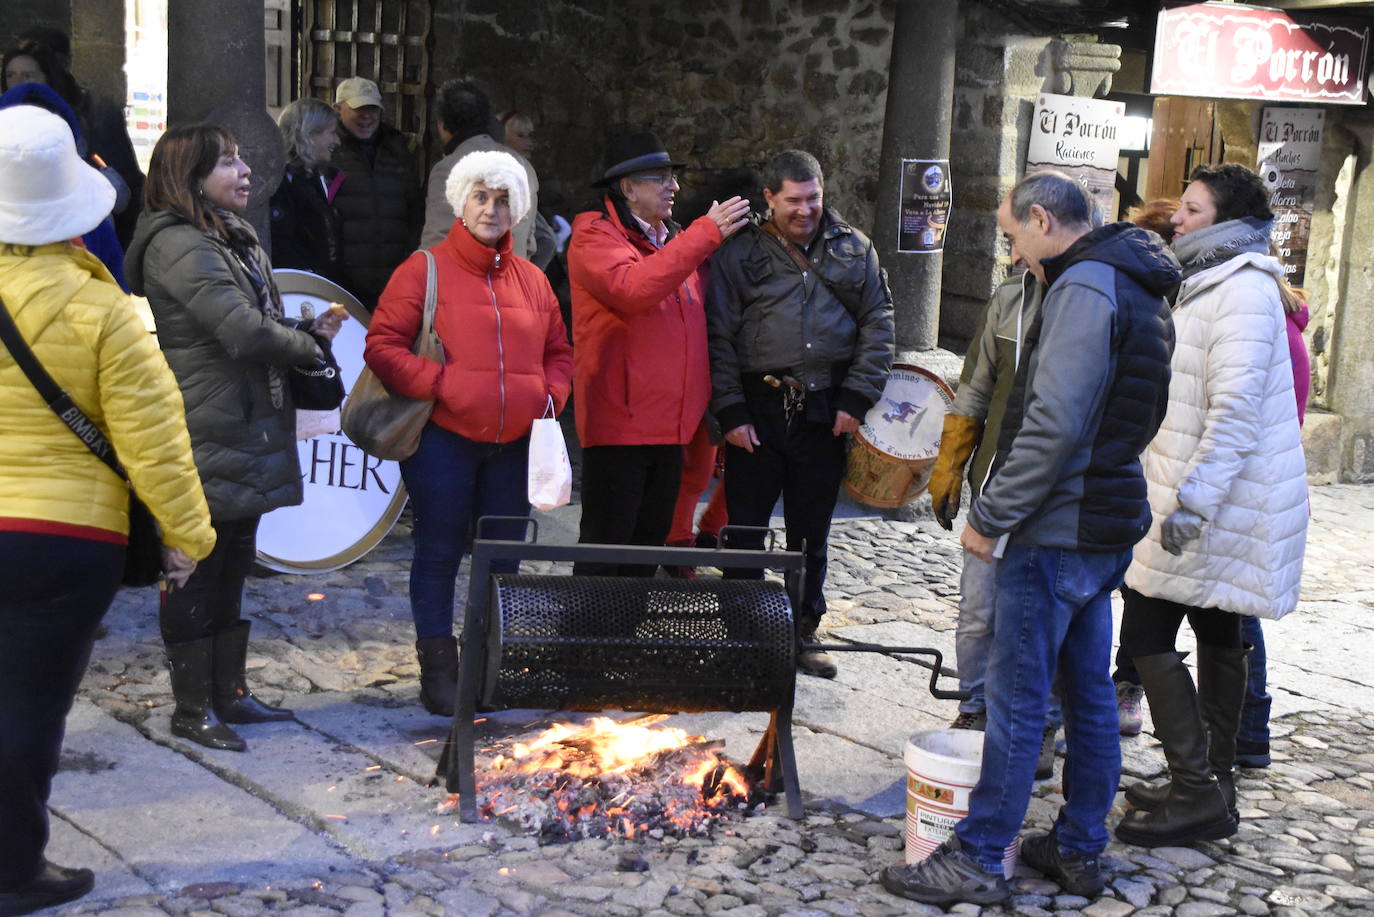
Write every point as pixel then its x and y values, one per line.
pixel 1290 148
pixel 1078 136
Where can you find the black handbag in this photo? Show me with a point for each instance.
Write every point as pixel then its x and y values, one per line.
pixel 319 387
pixel 143 559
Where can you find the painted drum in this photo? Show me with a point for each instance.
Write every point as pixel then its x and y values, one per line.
pixel 352 499
pixel 895 449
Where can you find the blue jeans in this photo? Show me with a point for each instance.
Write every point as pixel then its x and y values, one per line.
pixel 973 635
pixel 1254 715
pixel 1053 610
pixel 453 481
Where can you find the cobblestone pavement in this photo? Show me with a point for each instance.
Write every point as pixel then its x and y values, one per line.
pixel 344 659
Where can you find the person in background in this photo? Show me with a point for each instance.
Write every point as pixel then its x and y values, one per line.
pixel 102 241
pixel 463 120
pixel 63 511
pixel 519 132
pixel 506 360
pixel 102 124
pixel 639 343
pixel 1156 216
pixel 305 226
pixel 378 200
pixel 971 430
pixel 800 300
pixel 1252 737
pixel 1228 493
pixel 221 327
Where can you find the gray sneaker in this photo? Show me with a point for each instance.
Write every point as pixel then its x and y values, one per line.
pixel 948 876
pixel 1128 697
pixel 1044 765
pixel 1076 874
pixel 978 722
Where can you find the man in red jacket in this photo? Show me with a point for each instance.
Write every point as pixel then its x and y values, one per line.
pixel 640 373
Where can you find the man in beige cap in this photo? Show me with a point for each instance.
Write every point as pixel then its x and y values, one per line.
pixel 379 202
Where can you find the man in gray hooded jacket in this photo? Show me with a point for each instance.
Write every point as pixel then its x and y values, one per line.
pixel 1064 505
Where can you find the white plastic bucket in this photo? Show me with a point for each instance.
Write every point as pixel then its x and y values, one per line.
pixel 942 767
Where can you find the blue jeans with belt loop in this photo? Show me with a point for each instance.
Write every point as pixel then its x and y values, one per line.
pixel 1053 611
pixel 453 481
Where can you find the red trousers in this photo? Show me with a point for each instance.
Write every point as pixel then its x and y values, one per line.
pixel 698 465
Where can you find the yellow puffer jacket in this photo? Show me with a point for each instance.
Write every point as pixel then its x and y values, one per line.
pixel 88 337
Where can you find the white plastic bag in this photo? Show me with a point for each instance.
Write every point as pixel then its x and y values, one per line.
pixel 550 479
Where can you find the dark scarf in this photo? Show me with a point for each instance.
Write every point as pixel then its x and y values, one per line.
pixel 247 250
pixel 1204 248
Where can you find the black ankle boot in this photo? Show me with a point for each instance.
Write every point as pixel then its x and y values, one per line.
pixel 1193 808
pixel 192 686
pixel 233 701
pixel 438 674
pixel 52 886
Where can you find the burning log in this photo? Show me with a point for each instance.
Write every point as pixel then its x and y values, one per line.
pixel 609 778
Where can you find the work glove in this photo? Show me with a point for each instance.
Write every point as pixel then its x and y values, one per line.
pixel 958 439
pixel 1181 527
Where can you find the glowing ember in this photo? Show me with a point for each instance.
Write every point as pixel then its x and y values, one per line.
pixel 315 596
pixel 609 778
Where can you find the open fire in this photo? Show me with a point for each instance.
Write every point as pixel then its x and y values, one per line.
pixel 611 778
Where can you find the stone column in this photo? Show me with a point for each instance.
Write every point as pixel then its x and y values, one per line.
pixel 920 93
pixel 1081 66
pixel 1350 389
pixel 216 72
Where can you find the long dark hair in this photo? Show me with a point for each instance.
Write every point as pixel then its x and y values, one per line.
pixel 182 159
pixel 62 82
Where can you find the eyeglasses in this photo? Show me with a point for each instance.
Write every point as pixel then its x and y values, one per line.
pixel 662 179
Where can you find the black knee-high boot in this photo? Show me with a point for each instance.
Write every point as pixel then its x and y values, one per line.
pixel 1194 808
pixel 1222 676
pixel 233 701
pixel 193 687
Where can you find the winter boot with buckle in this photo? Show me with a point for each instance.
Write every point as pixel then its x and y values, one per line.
pixel 1194 809
pixel 438 673
pixel 195 718
pixel 233 701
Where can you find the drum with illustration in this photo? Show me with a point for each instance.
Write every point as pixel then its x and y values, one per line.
pixel 894 451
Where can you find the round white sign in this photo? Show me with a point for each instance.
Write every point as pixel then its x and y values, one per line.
pixel 352 499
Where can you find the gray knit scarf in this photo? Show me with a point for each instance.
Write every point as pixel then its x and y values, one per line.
pixel 1204 248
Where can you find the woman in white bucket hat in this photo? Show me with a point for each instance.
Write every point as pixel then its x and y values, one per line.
pixel 64 513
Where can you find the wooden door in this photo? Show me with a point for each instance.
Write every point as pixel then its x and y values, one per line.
pixel 1185 135
pixel 385 41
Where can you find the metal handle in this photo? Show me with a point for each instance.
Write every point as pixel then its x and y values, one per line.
pixel 935 690
pixel 529 522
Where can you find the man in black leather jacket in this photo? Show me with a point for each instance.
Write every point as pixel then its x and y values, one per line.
pixel 799 318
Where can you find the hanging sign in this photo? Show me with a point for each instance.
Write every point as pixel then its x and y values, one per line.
pixel 1079 137
pixel 1290 145
pixel 925 201
pixel 1230 51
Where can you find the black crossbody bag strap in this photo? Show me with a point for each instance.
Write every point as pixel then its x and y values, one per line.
pixel 56 398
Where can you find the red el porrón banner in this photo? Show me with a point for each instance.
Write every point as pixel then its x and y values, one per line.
pixel 1229 51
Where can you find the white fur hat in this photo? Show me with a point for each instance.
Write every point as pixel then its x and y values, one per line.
pixel 494 169
pixel 47 194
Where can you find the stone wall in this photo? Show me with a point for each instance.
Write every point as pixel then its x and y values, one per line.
pixel 997 74
pixel 96 28
pixel 724 83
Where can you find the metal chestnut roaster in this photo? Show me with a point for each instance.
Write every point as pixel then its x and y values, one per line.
pixel 594 643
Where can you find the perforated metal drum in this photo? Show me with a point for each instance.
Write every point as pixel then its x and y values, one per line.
pixel 599 643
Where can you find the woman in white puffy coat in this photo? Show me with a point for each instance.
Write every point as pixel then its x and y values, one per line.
pixel 1228 492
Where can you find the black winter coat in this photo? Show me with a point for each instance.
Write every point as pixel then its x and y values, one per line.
pixel 219 344
pixel 305 225
pixel 380 209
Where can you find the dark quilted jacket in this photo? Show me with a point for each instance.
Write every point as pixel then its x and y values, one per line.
pixel 1090 393
pixel 219 345
pixel 380 210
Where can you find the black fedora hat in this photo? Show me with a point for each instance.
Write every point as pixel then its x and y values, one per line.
pixel 637 152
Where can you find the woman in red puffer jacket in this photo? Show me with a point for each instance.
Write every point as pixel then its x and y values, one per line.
pixel 506 356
